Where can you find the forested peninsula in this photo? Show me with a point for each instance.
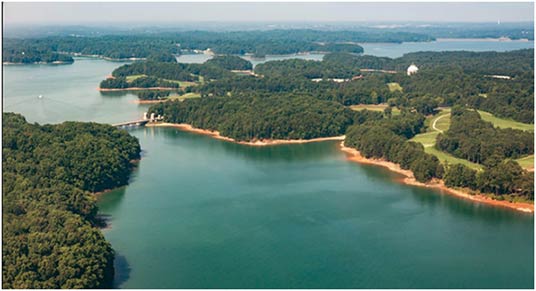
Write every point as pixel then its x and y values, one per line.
pixel 50 235
pixel 301 100
pixel 14 53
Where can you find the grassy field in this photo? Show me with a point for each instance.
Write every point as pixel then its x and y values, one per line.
pixel 442 156
pixel 434 125
pixel 427 139
pixel 394 87
pixel 441 122
pixel 526 162
pixel 184 96
pixel 134 77
pixel 505 123
pixel 374 107
pixel 182 84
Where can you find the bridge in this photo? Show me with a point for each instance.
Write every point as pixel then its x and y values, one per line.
pixel 140 122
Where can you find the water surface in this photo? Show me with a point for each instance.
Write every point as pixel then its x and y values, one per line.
pixel 205 213
pixel 391 50
pixel 69 92
pixel 395 50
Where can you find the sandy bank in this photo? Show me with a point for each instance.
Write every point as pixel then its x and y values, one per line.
pixel 264 142
pixel 355 155
pixel 136 89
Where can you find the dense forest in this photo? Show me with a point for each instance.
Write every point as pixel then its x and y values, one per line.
pixel 247 117
pixel 230 63
pixel 444 79
pixel 164 74
pixel 308 69
pixel 49 230
pixel 141 82
pixel 152 95
pixel 388 139
pixel 28 54
pixel 471 138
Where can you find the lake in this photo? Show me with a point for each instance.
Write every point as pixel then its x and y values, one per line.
pixel 394 50
pixel 205 213
pixel 391 50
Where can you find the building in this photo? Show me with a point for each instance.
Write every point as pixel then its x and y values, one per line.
pixel 412 70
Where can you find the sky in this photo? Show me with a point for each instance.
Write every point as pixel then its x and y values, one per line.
pixel 147 13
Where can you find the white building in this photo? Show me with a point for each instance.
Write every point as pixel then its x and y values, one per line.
pixel 412 70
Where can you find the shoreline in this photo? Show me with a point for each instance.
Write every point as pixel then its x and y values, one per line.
pixel 264 142
pixel 80 55
pixel 484 39
pixel 136 89
pixel 355 156
pixel 38 63
pixel 149 101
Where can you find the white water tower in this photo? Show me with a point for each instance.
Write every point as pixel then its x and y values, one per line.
pixel 412 70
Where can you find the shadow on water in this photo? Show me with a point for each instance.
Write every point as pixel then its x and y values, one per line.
pixel 122 270
pixel 277 153
pixel 109 202
pixel 436 199
pixel 114 93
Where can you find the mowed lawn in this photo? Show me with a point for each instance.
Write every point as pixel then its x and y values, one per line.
pixel 184 96
pixel 134 77
pixel 442 123
pixel 526 162
pixel 374 107
pixel 505 123
pixel 435 125
pixel 182 84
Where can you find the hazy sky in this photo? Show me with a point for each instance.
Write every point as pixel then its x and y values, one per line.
pixel 87 13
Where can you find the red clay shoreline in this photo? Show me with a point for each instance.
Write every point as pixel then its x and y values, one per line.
pixel 264 142
pixel 355 156
pixel 437 184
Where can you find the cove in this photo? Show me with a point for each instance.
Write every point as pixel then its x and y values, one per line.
pixel 205 213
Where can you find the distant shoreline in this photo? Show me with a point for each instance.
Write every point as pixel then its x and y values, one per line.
pixel 103 57
pixel 136 89
pixel 355 156
pixel 38 63
pixel 482 39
